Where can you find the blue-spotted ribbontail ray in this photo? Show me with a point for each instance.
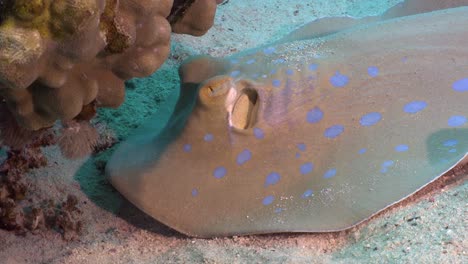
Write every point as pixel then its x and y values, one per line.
pixel 309 135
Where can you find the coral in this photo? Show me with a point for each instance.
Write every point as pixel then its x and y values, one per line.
pixel 77 139
pixel 12 134
pixel 68 220
pixel 107 138
pixel 14 188
pixel 11 217
pixel 58 56
pixel 194 17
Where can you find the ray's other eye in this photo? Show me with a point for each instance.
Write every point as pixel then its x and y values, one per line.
pixel 244 112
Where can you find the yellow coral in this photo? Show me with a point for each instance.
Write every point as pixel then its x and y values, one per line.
pixel 32 14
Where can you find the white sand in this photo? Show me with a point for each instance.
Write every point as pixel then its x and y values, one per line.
pixel 116 232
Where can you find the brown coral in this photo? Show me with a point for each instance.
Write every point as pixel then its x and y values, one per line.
pixel 58 56
pixel 193 17
pixel 14 187
pixel 77 139
pixel 12 134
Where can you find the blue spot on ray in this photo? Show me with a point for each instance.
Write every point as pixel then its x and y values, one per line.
pixel 244 156
pixel 301 146
pixel 313 67
pixel 272 179
pixel 385 165
pixel 276 83
pixel 373 71
pixel 307 193
pixel 450 143
pixel 362 151
pixel 456 121
pixel 306 168
pixel 268 200
pixel 314 115
pixel 289 72
pixel 329 173
pixel 194 192
pixel 401 148
pixel 333 131
pixel 414 107
pixel 219 172
pixel 370 119
pixel 461 85
pixel 187 147
pixel 339 80
pixel 453 150
pixel 388 163
pixel 208 137
pixel 258 132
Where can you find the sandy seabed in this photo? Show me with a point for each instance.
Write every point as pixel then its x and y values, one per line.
pixel 429 227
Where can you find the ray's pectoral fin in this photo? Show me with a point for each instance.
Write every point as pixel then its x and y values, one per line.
pixel 324 26
pixel 330 25
pixel 446 145
pixel 413 7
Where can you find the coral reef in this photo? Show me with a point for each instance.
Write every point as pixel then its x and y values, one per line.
pixel 59 56
pixel 194 17
pixel 78 137
pixel 61 60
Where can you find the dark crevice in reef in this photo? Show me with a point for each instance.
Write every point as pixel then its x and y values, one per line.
pixel 178 9
pixel 5 7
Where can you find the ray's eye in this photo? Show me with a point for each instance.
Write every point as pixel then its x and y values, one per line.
pixel 214 89
pixel 244 112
